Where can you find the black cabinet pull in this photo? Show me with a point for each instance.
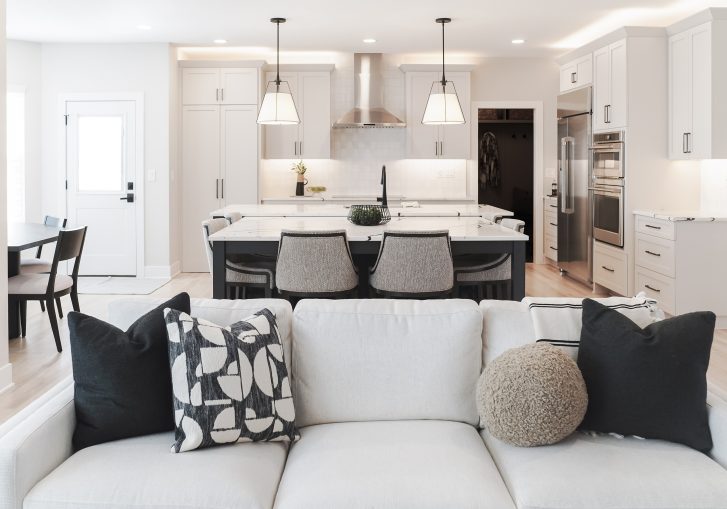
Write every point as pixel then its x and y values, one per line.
pixel 573 77
pixel 607 268
pixel 653 227
pixel 652 253
pixel 652 289
pixel 553 224
pixel 553 248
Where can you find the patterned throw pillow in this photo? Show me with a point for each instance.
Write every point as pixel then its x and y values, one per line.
pixel 230 383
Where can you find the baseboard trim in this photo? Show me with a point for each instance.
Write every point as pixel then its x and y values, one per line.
pixel 158 271
pixel 176 268
pixel 6 377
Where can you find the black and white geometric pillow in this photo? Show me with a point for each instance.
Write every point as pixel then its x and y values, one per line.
pixel 230 384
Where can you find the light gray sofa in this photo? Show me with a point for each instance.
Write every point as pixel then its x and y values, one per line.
pixel 385 398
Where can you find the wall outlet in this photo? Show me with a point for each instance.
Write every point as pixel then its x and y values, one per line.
pixel 151 175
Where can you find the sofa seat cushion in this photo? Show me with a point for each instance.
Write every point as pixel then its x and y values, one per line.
pixel 141 473
pixel 606 472
pixel 396 464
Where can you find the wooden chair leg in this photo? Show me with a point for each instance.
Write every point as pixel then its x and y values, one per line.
pixel 23 306
pixel 74 301
pixel 54 323
pixel 60 308
pixel 42 306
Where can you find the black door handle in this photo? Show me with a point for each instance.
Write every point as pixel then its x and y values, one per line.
pixel 129 197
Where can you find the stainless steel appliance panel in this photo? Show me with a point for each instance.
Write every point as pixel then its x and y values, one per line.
pixel 608 214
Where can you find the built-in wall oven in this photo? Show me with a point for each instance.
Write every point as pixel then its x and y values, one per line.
pixel 607 187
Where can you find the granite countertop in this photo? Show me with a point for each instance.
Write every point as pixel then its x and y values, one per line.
pixel 683 215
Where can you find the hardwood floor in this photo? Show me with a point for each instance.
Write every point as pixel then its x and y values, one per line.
pixel 37 366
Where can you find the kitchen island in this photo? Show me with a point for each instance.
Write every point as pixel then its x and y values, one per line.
pixel 469 235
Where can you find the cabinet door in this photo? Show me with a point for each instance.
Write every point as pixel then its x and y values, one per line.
pixel 238 86
pixel 680 94
pixel 568 77
pixel 238 154
pixel 584 71
pixel 618 104
pixel 699 141
pixel 281 141
pixel 314 103
pixel 200 86
pixel 422 141
pixel 601 87
pixel 200 180
pixel 455 139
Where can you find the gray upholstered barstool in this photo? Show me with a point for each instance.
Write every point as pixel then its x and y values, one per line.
pixel 315 264
pixel 233 217
pixel 413 264
pixel 239 274
pixel 491 279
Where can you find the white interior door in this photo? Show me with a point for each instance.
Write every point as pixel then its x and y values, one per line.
pixel 101 183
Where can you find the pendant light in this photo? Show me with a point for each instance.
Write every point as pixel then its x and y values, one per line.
pixel 278 107
pixel 443 107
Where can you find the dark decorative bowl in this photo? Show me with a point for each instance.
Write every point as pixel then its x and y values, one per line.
pixel 369 215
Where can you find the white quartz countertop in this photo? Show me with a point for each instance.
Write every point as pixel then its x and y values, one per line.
pixel 265 229
pixel 309 209
pixel 682 215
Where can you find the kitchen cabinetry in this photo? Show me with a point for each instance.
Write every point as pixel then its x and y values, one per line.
pixel 576 73
pixel 610 268
pixel 205 85
pixel 610 87
pixel 311 138
pixel 433 142
pixel 550 227
pixel 697 81
pixel 219 151
pixel 673 267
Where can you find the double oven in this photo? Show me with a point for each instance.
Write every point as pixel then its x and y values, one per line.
pixel 607 187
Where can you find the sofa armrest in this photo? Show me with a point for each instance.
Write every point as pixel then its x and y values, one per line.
pixel 717 408
pixel 34 442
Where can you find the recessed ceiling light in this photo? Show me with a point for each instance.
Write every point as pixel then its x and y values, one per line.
pixel 143 27
pixel 220 41
pixel 369 40
pixel 518 41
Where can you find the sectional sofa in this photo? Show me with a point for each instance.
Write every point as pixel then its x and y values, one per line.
pixel 385 399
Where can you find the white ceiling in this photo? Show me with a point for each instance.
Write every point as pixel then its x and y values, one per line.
pixel 480 27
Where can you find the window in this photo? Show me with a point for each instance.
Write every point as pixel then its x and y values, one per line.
pixel 16 155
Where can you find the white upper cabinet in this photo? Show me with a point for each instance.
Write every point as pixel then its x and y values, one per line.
pixel 697 81
pixel 311 139
pixel 576 73
pixel 432 142
pixel 610 87
pixel 209 85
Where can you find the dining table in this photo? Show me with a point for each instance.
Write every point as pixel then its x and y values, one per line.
pixel 469 236
pixel 21 237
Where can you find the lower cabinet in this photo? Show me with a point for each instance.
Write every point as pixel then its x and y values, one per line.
pixel 550 227
pixel 610 268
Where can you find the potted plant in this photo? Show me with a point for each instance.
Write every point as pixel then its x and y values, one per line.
pixel 300 168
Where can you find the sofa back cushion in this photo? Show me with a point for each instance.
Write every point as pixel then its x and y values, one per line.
pixel 379 360
pixel 124 312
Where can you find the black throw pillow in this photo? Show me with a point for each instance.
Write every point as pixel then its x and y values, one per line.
pixel 650 382
pixel 123 381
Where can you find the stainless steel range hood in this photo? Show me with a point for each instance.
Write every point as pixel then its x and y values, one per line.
pixel 368 86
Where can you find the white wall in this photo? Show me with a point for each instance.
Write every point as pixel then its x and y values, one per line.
pixel 5 366
pixel 24 71
pixel 112 68
pixel 714 186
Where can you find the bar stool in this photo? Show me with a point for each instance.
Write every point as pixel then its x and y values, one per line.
pixel 491 279
pixel 315 264
pixel 413 264
pixel 242 274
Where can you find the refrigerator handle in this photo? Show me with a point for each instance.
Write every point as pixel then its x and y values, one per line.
pixel 566 192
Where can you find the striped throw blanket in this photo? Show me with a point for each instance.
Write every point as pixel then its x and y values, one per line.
pixel 558 320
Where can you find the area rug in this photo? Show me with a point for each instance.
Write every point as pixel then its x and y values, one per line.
pixel 110 285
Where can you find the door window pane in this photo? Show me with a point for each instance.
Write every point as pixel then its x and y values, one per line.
pixel 100 154
pixel 16 156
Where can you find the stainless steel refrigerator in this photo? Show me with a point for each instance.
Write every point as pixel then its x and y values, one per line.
pixel 575 242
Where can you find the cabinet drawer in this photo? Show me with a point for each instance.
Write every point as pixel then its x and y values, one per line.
pixel 551 248
pixel 658 287
pixel 551 229
pixel 610 269
pixel 551 216
pixel 655 254
pixel 655 227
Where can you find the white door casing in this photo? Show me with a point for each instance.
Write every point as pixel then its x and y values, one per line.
pixel 102 145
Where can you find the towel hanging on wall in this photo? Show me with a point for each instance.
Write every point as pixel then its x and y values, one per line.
pixel 489 161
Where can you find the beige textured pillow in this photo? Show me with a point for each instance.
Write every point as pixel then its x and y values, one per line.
pixel 532 395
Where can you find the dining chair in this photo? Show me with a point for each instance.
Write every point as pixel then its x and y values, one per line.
pixel 38 265
pixel 315 264
pixel 232 217
pixel 489 278
pixel 51 286
pixel 241 273
pixel 413 264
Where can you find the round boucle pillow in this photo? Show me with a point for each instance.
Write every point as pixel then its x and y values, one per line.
pixel 532 395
